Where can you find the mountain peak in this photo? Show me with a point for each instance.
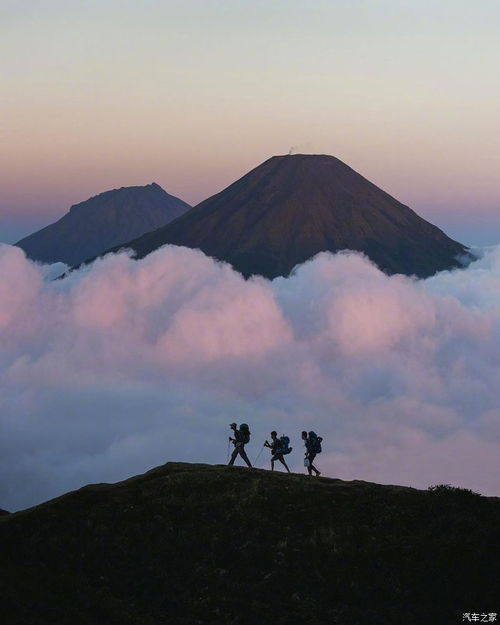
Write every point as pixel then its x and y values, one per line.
pixel 291 207
pixel 299 156
pixel 103 221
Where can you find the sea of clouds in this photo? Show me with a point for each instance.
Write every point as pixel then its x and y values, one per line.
pixel 124 365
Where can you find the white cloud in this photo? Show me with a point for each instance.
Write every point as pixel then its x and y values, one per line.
pixel 127 364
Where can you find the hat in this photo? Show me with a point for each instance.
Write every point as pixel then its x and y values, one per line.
pixel 231 424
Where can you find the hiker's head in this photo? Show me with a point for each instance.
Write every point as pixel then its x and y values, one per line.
pixel 304 435
pixel 232 426
pixel 274 434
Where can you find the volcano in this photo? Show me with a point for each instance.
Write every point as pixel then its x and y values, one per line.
pixel 290 208
pixel 103 221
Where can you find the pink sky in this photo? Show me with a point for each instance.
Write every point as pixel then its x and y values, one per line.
pixel 193 95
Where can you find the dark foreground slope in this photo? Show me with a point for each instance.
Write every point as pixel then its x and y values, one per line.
pixel 196 544
pixel 290 208
pixel 103 221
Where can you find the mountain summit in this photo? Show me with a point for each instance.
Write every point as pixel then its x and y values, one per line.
pixel 290 208
pixel 103 221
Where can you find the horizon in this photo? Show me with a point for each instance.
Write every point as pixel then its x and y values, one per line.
pixel 195 95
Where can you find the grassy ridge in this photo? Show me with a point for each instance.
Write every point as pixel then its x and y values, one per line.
pixel 195 544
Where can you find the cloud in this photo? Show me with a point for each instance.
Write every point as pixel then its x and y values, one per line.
pixel 125 364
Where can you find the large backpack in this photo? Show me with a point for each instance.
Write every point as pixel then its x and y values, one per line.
pixel 284 447
pixel 244 433
pixel 315 442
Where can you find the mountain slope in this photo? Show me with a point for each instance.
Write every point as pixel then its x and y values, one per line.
pixel 292 207
pixel 197 544
pixel 101 222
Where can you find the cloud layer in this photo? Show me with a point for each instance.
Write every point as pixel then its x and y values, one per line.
pixel 127 364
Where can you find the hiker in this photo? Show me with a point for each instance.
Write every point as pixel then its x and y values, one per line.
pixel 279 447
pixel 241 437
pixel 313 447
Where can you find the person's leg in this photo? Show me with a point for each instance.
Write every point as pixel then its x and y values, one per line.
pixel 311 465
pixel 311 459
pixel 243 454
pixel 282 460
pixel 274 457
pixel 233 456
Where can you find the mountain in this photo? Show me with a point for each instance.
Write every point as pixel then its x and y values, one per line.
pixel 291 207
pixel 103 221
pixel 212 545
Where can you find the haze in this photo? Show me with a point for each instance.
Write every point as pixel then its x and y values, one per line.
pixel 192 94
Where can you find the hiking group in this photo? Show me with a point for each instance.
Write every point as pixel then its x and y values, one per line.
pixel 279 447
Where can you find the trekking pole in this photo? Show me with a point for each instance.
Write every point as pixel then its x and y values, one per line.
pixel 258 455
pixel 228 448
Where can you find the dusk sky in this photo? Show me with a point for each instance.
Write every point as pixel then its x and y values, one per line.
pixel 125 363
pixel 194 93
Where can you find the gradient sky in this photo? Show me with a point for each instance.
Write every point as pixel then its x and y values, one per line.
pixel 191 94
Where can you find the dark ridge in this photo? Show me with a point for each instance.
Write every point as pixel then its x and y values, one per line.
pixel 210 545
pixel 290 208
pixel 103 221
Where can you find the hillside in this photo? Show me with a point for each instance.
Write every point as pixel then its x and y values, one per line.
pixel 290 208
pixel 103 221
pixel 196 544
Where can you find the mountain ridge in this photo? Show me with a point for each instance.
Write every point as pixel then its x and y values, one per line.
pixel 110 192
pixel 211 545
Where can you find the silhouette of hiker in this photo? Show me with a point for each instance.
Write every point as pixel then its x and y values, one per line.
pixel 241 437
pixel 313 447
pixel 277 450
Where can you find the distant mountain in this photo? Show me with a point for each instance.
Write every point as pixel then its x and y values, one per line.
pixel 212 545
pixel 103 221
pixel 289 208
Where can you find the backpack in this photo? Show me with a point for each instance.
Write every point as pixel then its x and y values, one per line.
pixel 244 433
pixel 284 447
pixel 315 441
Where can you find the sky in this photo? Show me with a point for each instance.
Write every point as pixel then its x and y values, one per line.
pixel 125 365
pixel 192 94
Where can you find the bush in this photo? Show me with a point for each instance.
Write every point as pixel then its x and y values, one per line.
pixel 447 489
